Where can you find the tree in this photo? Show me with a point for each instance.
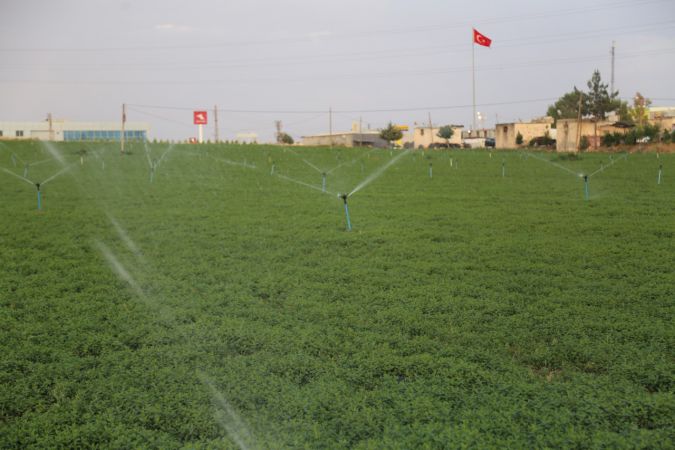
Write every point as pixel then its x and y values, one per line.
pixel 519 139
pixel 446 132
pixel 599 101
pixel 391 133
pixel 567 106
pixel 285 138
pixel 639 113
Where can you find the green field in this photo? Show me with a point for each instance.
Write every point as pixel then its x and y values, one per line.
pixel 220 305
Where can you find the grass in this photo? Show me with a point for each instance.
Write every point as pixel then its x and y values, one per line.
pixel 220 306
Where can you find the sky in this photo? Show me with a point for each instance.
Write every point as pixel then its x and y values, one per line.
pixel 373 61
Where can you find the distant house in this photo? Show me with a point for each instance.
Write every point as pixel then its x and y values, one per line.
pixel 357 137
pixel 570 132
pixel 506 133
pixel 425 137
pixel 663 117
pixel 64 130
pixel 247 138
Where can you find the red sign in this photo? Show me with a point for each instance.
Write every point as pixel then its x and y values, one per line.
pixel 199 117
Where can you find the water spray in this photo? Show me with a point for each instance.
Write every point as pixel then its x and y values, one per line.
pixel 344 199
pixel 25 170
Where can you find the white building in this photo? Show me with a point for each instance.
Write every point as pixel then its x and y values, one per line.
pixel 61 130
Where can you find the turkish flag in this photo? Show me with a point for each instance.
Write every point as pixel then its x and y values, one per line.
pixel 481 39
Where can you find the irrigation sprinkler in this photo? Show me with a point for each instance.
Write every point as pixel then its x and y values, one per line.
pixel 39 196
pixel 272 169
pixel 431 170
pixel 25 170
pixel 503 167
pixel 658 179
pixel 13 160
pixel 344 199
pixel 450 162
pixel 323 181
pixel 586 187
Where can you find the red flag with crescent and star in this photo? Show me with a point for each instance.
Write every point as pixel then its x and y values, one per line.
pixel 481 39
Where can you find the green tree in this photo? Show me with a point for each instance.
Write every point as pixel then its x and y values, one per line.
pixel 599 101
pixel 639 113
pixel 566 107
pixel 391 133
pixel 285 138
pixel 446 132
pixel 519 139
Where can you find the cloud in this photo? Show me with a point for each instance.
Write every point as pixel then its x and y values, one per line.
pixel 172 27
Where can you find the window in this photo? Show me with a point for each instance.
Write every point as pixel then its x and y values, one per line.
pixel 19 133
pixel 506 129
pixel 421 131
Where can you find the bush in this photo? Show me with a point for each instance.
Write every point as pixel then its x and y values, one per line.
pixel 584 143
pixel 542 141
pixel 519 139
pixel 608 140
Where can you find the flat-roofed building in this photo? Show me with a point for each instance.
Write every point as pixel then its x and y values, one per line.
pixel 63 130
pixel 507 133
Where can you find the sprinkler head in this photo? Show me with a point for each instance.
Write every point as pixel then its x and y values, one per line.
pixel 586 178
pixel 37 185
pixel 343 197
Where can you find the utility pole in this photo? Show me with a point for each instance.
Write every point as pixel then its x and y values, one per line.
pixel 277 124
pixel 431 132
pixel 330 125
pixel 51 128
pixel 581 96
pixel 124 119
pixel 215 122
pixel 611 89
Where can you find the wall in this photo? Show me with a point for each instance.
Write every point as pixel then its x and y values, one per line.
pixel 506 133
pixel 62 130
pixel 424 136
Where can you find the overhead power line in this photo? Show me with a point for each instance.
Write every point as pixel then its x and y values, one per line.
pixel 360 76
pixel 353 56
pixel 343 111
pixel 353 35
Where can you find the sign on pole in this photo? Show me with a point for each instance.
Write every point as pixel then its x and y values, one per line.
pixel 199 118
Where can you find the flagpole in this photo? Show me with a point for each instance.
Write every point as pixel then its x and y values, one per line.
pixel 473 77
